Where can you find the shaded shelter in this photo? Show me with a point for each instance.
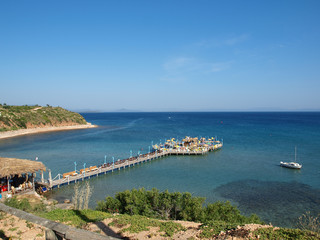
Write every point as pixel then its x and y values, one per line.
pixel 13 168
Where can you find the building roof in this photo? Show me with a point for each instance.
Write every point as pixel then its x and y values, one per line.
pixel 14 166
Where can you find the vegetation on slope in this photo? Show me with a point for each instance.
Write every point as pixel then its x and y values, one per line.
pixel 132 224
pixel 220 217
pixel 23 117
pixel 215 217
pixel 136 224
pixel 77 218
pixel 285 233
pixel 173 206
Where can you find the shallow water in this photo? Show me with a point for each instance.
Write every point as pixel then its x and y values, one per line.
pixel 246 171
pixel 254 196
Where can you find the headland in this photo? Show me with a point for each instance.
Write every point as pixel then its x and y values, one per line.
pixel 22 120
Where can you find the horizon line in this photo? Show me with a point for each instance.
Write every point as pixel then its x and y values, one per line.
pixel 193 111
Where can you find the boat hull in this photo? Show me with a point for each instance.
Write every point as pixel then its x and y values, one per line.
pixel 291 165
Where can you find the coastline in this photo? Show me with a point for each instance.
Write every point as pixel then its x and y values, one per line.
pixel 21 132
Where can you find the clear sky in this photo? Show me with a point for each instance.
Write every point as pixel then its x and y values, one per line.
pixel 161 55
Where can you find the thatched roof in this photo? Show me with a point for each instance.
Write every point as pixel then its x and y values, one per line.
pixel 14 166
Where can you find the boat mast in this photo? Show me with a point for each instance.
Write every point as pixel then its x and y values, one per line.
pixel 295 154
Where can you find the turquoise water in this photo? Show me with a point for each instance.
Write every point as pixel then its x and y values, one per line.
pixel 246 171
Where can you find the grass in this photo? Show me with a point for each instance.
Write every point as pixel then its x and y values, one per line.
pixel 137 223
pixel 24 205
pixel 2 215
pixel 285 234
pixel 171 228
pixel 213 228
pixel 39 235
pixel 77 218
pixel 13 229
pixel 29 224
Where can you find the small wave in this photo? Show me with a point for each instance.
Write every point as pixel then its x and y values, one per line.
pixel 101 130
pixel 112 128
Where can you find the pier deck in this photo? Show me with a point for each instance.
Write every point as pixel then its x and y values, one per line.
pixel 122 164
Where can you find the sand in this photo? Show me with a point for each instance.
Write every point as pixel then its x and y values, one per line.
pixel 20 132
pixel 12 227
pixel 192 231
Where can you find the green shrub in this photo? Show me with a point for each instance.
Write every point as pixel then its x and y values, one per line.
pixel 213 228
pixel 172 206
pixel 285 234
pixel 110 205
pixel 170 228
pixel 155 204
pixel 29 224
pixel 224 211
pixel 21 122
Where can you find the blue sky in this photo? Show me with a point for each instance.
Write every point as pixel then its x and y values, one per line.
pixel 161 55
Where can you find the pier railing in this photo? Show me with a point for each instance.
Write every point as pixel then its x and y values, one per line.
pixel 60 179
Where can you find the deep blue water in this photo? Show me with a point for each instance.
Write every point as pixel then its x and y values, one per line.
pixel 246 171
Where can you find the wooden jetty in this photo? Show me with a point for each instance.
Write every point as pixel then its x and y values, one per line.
pixel 73 177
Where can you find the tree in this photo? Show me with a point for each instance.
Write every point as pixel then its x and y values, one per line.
pixel 191 207
pixel 174 206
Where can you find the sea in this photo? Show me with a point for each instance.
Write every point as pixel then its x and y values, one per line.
pixel 245 171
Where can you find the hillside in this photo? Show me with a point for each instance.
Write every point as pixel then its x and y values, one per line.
pixel 26 117
pixel 219 220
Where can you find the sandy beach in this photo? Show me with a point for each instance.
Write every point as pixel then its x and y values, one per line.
pixel 21 132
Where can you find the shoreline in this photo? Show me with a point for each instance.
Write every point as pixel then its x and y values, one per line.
pixel 21 132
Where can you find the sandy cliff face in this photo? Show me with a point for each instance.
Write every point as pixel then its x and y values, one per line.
pixel 52 124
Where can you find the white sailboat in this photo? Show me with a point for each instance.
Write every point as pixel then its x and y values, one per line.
pixel 294 164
